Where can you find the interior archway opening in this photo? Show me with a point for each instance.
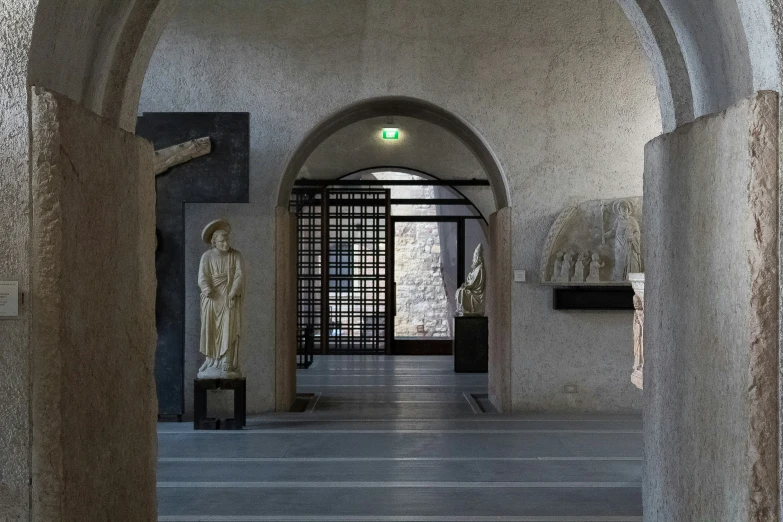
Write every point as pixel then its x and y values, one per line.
pixel 377 288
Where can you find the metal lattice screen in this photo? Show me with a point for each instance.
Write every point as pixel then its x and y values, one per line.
pixel 308 298
pixel 357 276
pixel 353 285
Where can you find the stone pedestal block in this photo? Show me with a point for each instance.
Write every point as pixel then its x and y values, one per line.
pixel 471 344
pixel 200 420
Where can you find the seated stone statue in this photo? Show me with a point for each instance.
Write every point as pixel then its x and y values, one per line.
pixel 471 295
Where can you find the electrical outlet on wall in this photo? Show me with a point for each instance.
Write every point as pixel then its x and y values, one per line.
pixel 570 388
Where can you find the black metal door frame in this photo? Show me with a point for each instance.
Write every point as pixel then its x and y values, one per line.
pixel 459 220
pixel 313 254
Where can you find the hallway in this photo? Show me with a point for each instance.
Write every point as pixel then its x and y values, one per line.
pixel 401 439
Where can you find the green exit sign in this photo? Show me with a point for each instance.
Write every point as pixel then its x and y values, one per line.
pixel 391 134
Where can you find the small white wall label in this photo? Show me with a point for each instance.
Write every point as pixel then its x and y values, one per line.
pixel 520 276
pixel 9 298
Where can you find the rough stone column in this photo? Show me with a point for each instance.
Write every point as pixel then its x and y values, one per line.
pixel 711 193
pixel 93 402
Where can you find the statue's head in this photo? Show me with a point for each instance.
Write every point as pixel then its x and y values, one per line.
pixel 478 256
pixel 624 208
pixel 216 234
pixel 220 240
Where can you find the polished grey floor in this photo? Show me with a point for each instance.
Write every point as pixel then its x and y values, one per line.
pixel 401 439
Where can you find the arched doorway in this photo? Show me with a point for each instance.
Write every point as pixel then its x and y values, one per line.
pixel 471 147
pixel 64 62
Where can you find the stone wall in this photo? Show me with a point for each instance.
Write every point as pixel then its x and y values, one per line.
pixel 16 27
pixel 711 318
pixel 422 304
pixel 94 405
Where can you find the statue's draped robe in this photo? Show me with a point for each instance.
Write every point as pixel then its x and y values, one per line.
pixel 627 248
pixel 471 294
pixel 220 325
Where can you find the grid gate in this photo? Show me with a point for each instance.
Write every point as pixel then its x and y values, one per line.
pixel 354 285
pixel 357 231
pixel 307 204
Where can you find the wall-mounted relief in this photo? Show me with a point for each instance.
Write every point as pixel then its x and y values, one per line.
pixel 597 242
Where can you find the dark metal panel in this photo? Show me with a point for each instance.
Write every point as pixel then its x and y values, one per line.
pixel 219 177
pixel 593 298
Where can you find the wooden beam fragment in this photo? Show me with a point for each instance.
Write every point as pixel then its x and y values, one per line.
pixel 178 154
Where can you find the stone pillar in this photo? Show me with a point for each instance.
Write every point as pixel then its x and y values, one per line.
pixel 499 309
pixel 285 309
pixel 93 405
pixel 637 281
pixel 711 192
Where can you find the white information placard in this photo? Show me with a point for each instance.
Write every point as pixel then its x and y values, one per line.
pixel 9 298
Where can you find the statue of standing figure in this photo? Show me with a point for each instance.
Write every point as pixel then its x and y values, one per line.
pixel 222 285
pixel 594 276
pixel 579 268
pixel 567 267
pixel 558 267
pixel 470 296
pixel 627 242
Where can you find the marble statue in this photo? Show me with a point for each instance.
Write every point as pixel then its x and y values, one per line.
pixel 637 376
pixel 222 285
pixel 579 268
pixel 558 267
pixel 568 263
pixel 594 276
pixel 471 296
pixel 627 242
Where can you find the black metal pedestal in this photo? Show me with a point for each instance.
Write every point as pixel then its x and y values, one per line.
pixel 471 344
pixel 200 420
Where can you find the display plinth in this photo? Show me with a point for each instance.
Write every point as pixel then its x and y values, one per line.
pixel 200 388
pixel 471 344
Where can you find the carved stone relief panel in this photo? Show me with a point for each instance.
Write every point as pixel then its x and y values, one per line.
pixel 595 242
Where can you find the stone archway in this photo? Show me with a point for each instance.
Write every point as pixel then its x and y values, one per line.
pixel 95 53
pixel 499 237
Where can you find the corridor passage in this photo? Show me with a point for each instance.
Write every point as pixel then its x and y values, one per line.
pixel 401 439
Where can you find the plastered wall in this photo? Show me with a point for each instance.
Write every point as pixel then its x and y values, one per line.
pixel 560 90
pixel 93 289
pixel 711 318
pixel 15 34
